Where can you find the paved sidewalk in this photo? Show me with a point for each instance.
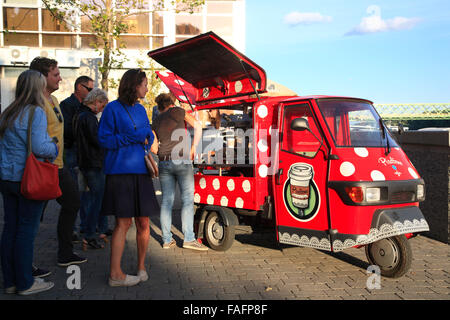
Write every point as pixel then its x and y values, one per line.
pixel 253 268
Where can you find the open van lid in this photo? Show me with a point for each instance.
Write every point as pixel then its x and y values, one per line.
pixel 213 67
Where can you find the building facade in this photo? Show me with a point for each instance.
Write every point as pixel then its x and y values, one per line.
pixel 27 30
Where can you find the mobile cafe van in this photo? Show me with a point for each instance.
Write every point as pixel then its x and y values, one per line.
pixel 324 169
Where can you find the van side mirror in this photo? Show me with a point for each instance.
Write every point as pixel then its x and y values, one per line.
pixel 300 124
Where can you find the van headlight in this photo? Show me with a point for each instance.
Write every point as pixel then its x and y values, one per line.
pixel 373 194
pixel 420 192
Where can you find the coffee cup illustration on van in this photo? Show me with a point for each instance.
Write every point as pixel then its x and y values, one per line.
pixel 300 176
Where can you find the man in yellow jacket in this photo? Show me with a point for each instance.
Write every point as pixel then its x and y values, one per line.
pixel 70 199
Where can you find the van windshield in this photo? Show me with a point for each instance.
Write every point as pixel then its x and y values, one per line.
pixel 354 123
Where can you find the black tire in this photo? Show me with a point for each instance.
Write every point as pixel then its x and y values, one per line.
pixel 393 255
pixel 218 236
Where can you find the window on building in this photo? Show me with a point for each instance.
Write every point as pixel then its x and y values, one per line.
pixel 49 23
pixel 188 25
pixel 222 25
pixel 21 2
pixel 136 42
pixel 20 19
pixel 219 7
pixel 59 41
pixel 157 42
pixel 138 23
pixel 21 39
pixel 158 23
pixel 90 42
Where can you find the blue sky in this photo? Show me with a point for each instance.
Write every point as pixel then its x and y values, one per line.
pixel 387 51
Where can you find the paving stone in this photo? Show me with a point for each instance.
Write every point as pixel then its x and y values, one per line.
pixel 254 268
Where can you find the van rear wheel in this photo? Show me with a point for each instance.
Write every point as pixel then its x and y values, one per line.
pixel 393 255
pixel 219 236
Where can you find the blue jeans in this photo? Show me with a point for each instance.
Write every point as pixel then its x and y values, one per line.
pixel 22 218
pixel 169 175
pixel 92 200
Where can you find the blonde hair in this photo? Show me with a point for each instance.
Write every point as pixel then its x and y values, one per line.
pixel 29 92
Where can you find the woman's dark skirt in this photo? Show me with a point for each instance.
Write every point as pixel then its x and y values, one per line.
pixel 129 195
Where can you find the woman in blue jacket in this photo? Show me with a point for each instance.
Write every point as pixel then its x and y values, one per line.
pixel 125 134
pixel 22 216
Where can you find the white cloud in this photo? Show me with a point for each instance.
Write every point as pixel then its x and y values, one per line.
pixel 295 18
pixel 374 23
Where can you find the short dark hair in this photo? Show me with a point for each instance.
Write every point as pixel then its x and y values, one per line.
pixel 164 100
pixel 81 79
pixel 43 65
pixel 127 87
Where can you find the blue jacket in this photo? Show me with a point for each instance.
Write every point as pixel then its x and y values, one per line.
pixel 13 145
pixel 122 135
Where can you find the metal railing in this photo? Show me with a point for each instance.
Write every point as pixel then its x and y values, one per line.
pixel 414 111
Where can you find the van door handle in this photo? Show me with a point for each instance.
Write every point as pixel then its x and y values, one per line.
pixel 277 177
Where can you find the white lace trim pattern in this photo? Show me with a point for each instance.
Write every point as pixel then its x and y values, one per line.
pixel 385 231
pixel 304 241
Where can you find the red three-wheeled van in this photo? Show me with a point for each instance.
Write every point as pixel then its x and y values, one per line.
pixel 324 169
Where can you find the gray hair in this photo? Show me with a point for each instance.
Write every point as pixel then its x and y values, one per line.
pixel 94 95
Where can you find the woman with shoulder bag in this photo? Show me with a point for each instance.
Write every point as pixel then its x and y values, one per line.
pixel 125 133
pixel 22 215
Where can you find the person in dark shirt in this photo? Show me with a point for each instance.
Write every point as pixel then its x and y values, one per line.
pixel 70 107
pixel 90 162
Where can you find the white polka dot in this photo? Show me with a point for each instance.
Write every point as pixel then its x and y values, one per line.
pixel 230 184
pixel 216 184
pixel 263 171
pixel 377 176
pixel 202 183
pixel 182 98
pixel 262 111
pixel 362 152
pixel 262 145
pixel 270 130
pixel 239 203
pixel 224 201
pixel 179 82
pixel 210 199
pixel 413 173
pixel 246 186
pixel 196 198
pixel 347 169
pixel 164 73
pixel 238 86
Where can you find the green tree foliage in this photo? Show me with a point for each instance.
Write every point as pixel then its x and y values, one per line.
pixel 108 22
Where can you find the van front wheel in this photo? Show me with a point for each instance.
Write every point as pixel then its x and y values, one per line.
pixel 393 255
pixel 219 236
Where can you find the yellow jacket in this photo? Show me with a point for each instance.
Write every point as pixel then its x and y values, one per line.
pixel 55 127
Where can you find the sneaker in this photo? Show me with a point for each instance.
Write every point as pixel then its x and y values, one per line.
pixel 10 290
pixel 127 282
pixel 74 259
pixel 195 245
pixel 39 285
pixel 40 273
pixel 169 245
pixel 143 275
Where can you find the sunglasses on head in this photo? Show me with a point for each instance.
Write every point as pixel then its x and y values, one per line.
pixel 58 114
pixel 87 88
